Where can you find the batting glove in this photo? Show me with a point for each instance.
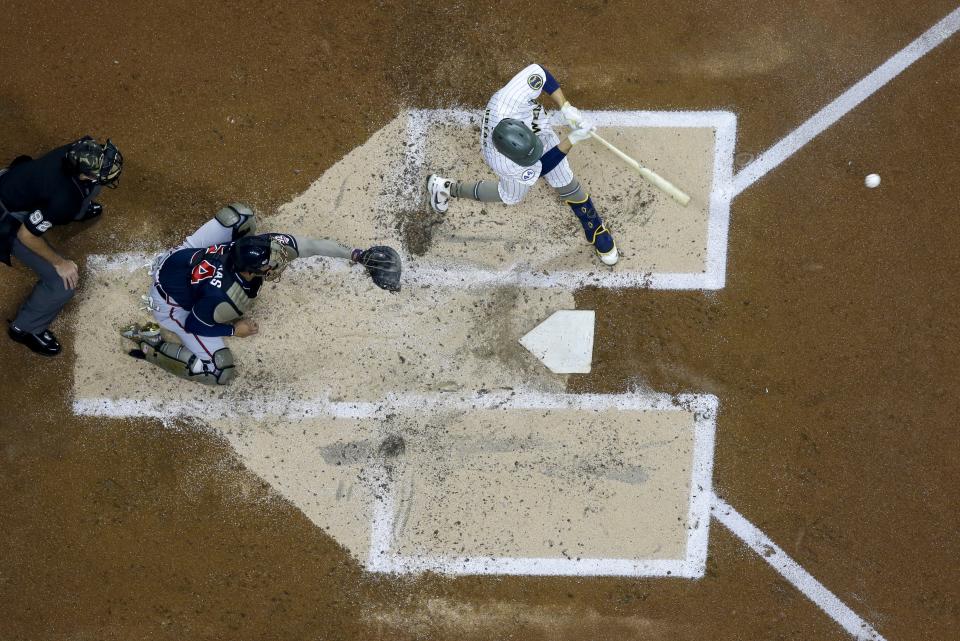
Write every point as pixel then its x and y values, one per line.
pixel 572 115
pixel 579 135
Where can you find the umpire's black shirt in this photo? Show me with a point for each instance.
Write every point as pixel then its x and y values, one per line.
pixel 46 192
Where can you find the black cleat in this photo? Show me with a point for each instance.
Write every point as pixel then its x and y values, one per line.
pixel 44 343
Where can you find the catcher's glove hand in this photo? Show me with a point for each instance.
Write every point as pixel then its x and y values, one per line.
pixel 383 265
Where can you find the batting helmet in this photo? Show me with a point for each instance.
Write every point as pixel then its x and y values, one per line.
pixel 517 142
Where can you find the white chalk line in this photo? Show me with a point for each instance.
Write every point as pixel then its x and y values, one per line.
pixel 440 275
pixel 793 572
pixel 519 399
pixel 692 566
pixel 723 123
pixel 380 558
pixel 847 101
pixel 530 566
pixel 761 166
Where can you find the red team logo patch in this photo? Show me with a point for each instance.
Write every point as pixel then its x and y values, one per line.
pixel 202 272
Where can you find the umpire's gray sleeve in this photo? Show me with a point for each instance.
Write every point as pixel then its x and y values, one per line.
pixel 307 247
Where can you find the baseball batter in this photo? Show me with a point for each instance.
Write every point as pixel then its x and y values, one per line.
pixel 202 289
pixel 514 133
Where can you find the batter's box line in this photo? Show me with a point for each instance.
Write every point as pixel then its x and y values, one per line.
pixel 283 407
pixel 380 559
pixel 693 566
pixel 724 124
pixel 457 276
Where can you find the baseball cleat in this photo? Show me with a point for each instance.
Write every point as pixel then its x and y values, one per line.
pixel 148 333
pixel 605 247
pixel 611 257
pixel 439 189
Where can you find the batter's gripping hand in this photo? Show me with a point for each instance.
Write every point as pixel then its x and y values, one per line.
pixel 572 115
pixel 579 135
pixel 383 265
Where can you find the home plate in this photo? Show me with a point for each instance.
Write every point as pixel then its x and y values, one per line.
pixel 563 342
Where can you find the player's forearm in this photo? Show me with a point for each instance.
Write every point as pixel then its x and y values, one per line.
pixel 307 247
pixel 551 87
pixel 558 97
pixel 38 246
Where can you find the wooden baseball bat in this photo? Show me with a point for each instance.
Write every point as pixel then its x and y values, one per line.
pixel 651 176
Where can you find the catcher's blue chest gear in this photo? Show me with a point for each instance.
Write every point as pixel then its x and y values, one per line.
pixel 199 280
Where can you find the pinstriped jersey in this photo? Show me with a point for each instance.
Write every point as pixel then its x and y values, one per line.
pixel 518 100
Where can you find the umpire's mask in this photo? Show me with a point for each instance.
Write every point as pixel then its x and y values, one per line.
pixel 514 140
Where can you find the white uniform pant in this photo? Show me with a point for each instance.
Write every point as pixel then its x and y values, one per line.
pixel 512 191
pixel 171 316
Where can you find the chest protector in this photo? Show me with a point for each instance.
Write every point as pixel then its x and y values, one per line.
pixel 236 305
pixel 236 301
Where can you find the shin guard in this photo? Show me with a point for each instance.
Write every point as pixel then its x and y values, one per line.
pixel 593 227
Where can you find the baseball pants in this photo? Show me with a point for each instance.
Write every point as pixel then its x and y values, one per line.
pixel 48 297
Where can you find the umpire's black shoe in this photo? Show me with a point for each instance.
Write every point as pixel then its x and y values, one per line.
pixel 94 210
pixel 43 343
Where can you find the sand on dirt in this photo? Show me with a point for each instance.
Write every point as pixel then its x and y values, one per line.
pixel 347 400
pixel 377 194
pixel 424 482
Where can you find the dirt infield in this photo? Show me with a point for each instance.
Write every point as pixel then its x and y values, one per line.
pixel 832 347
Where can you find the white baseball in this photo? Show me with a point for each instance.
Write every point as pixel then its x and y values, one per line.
pixel 872 180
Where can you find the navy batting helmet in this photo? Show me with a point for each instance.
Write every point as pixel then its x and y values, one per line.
pixel 517 142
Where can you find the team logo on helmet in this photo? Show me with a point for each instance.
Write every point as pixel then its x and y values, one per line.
pixel 535 81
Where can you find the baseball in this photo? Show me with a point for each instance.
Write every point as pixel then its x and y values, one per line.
pixel 872 180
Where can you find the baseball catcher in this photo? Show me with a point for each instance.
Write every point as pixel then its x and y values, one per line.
pixel 202 289
pixel 513 136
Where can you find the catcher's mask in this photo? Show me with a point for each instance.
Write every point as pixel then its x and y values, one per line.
pixel 260 255
pixel 517 142
pixel 102 163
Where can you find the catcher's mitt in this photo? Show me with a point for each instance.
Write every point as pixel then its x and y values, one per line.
pixel 383 265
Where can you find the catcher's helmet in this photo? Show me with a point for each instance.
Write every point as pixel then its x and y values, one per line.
pixel 517 142
pixel 260 255
pixel 103 163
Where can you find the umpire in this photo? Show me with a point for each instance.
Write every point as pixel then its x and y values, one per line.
pixel 35 195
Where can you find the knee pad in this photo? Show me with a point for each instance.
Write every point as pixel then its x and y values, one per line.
pixel 225 367
pixel 239 218
pixel 181 362
pixel 218 371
